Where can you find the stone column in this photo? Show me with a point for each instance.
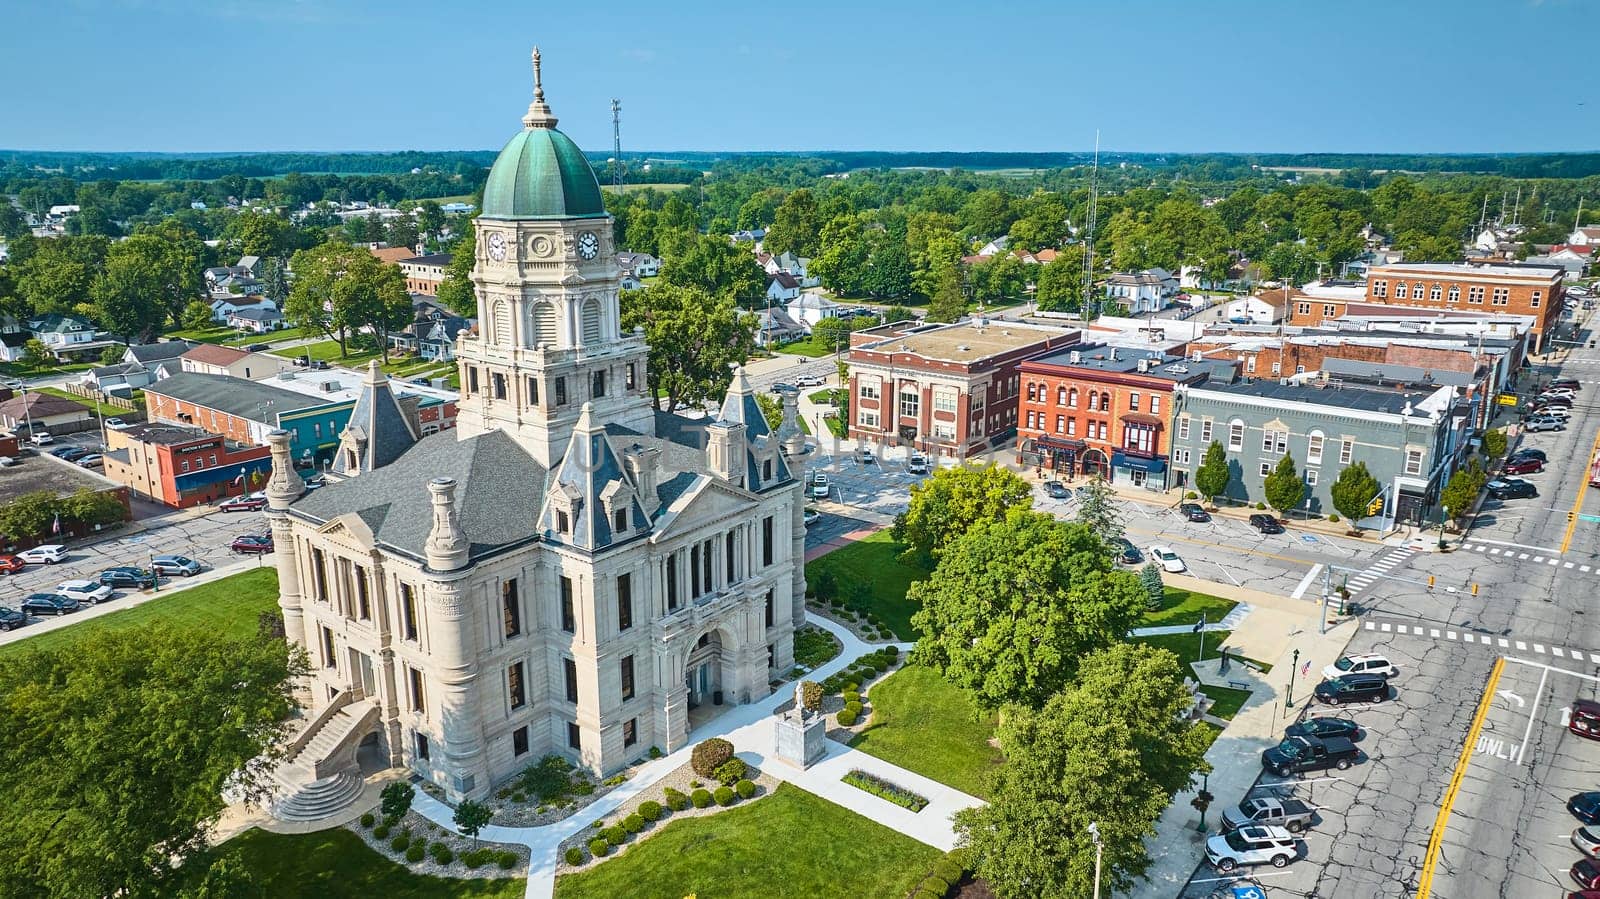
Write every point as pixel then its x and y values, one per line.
pixel 452 648
pixel 672 716
pixel 284 487
pixel 795 453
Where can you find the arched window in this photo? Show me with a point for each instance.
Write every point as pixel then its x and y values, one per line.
pixel 1399 290
pixel 1072 398
pixel 1455 293
pixel 544 325
pixel 1416 291
pixel 1094 400
pixel 1061 396
pixel 592 321
pixel 502 322
pixel 1435 293
pixel 1314 442
pixel 1032 392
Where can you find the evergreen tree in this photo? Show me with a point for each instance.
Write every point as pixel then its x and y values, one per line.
pixel 1283 486
pixel 1212 477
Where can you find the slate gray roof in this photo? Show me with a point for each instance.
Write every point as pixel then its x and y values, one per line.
pixel 379 420
pixel 235 396
pixel 1395 374
pixel 500 489
pixel 586 471
pixel 155 352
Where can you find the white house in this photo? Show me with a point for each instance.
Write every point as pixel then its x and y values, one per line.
pixel 224 307
pixel 642 265
pixel 775 327
pixel 256 319
pixel 782 287
pixel 1259 309
pixel 810 308
pixel 1586 236
pixel 1146 291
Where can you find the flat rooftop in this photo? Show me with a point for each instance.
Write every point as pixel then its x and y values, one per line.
pixel 171 435
pixel 1119 360
pixel 34 473
pixel 1362 399
pixel 966 342
pixel 334 385
pixel 1463 270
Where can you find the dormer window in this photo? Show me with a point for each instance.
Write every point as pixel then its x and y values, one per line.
pixel 619 520
pixel 766 470
pixel 563 522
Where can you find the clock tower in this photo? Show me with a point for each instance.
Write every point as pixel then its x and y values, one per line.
pixel 549 337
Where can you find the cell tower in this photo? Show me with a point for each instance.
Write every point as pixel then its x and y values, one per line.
pixel 616 145
pixel 1088 231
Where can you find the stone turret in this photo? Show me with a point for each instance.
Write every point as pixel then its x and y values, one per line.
pixel 284 486
pixel 726 451
pixel 644 467
pixel 447 544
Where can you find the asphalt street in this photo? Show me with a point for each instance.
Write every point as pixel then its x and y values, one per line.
pixel 1471 806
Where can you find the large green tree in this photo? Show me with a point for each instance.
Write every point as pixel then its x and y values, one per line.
pixel 1058 285
pixel 147 279
pixel 948 503
pixel 118 749
pixel 842 263
pixel 1110 750
pixel 456 291
pixel 1352 490
pixel 1097 510
pixel 1283 487
pixel 1013 605
pixel 1462 491
pixel 1212 477
pixel 339 289
pixel 796 225
pixel 695 339
pixel 718 268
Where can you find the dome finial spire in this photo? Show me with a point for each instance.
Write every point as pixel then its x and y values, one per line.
pixel 539 114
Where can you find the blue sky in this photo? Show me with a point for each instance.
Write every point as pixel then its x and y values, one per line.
pixel 1266 75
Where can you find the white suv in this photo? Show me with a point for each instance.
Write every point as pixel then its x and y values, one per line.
pixel 85 592
pixel 819 486
pixel 1252 846
pixel 917 464
pixel 1365 663
pixel 48 554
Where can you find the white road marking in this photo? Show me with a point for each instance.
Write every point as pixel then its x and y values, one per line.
pixel 1558 562
pixel 1305 582
pixel 1503 643
pixel 1528 731
pixel 1386 627
pixel 1521 556
pixel 1450 635
pixel 1545 549
pixel 1521 646
pixel 1433 632
pixel 1538 558
pixel 1539 648
pixel 1568 565
pixel 1556 651
pixel 1479 547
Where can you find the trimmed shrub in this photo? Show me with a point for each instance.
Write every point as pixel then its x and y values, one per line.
pixel 633 823
pixel 477 858
pixel 506 859
pixel 598 823
pixel 948 870
pixel 676 800
pixel 853 708
pixel 847 718
pixel 811 693
pixel 381 831
pixel 1333 516
pixel 852 686
pixel 582 788
pixel 367 819
pixel 400 843
pixel 731 772
pixel 936 885
pixel 709 755
pixel 574 856
pixel 1261 505
pixel 443 855
pixel 700 798
pixel 926 894
pixel 599 848
pixel 1191 495
pixel 615 835
pixel 415 853
pixel 655 752
pixel 724 796
pixel 852 696
pixel 745 789
pixel 650 810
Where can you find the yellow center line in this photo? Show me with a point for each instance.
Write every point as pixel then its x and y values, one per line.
pixel 1436 841
pixel 1583 487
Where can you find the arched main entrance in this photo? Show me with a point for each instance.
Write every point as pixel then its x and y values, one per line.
pixel 1095 464
pixel 710 674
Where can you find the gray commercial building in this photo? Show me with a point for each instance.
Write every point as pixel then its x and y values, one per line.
pixel 1411 441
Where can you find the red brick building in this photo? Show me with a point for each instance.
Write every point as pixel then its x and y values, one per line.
pixel 1103 411
pixel 1533 290
pixel 183 466
pixel 948 390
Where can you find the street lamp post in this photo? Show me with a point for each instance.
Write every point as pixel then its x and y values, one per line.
pixel 1288 699
pixel 1444 515
pixel 1094 834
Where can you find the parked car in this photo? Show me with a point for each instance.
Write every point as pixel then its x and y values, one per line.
pixel 1585 807
pixel 1585 719
pixel 1529 452
pixel 11 565
pixel 810 381
pixel 1536 407
pixel 918 463
pixel 1193 512
pixel 1296 754
pixel 7 461
pixel 1266 524
pixel 865 456
pixel 1586 873
pixel 1587 839
pixel 1572 384
pixel 174 565
pixel 1057 490
pixel 1353 688
pixel 782 387
pixel 1524 465
pixel 248 503
pixel 1361 663
pixel 49 554
pixel 93 460
pixel 1559 413
pixel 1323 728
pixel 10 618
pixel 41 438
pixel 69 453
pixel 49 604
pixel 256 347
pixel 1127 553
pixel 256 544
pixel 819 486
pixel 1167 559
pixel 85 592
pixel 128 576
pixel 1290 814
pixel 1544 423
pixel 1252 846
pixel 810 517
pixel 1510 488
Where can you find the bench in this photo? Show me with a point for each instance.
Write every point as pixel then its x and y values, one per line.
pixel 1239 684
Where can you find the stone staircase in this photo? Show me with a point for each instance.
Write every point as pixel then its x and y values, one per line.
pixel 320 775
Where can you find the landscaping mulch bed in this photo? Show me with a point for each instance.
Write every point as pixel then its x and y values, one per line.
pixel 422 828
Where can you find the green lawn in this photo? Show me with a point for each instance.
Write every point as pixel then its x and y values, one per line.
pixel 1184 607
pixel 833 396
pixel 806 347
pixel 1228 700
pixel 336 864
pixel 227 607
pixel 791 845
pixel 328 351
pixel 58 393
pixel 234 338
pixel 922 722
pixel 872 562
pixel 1187 646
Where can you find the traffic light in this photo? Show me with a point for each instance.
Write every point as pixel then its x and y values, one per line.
pixel 1375 506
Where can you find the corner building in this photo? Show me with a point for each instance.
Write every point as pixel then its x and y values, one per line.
pixel 569 570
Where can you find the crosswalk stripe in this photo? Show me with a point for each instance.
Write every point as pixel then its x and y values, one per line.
pixel 1521 646
pixel 1557 562
pixel 1386 627
pixel 1556 651
pixel 1538 558
pixel 1434 633
pixel 1503 643
pixel 1568 564
pixel 1539 648
pixel 1450 635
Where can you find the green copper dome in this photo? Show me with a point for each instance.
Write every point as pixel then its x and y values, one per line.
pixel 541 173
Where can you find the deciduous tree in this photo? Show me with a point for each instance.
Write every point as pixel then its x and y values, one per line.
pixel 796 225
pixel 1212 477
pixel 1283 487
pixel 1112 750
pixel 1013 605
pixel 1352 491
pixel 456 291
pixel 947 504
pixel 694 339
pixel 717 268
pixel 196 316
pixel 471 817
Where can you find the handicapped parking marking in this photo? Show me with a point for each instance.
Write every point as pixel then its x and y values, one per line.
pixel 1308 538
pixel 1249 892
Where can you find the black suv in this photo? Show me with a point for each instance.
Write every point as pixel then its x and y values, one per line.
pixel 1127 553
pixel 11 618
pixel 1353 688
pixel 49 604
pixel 1193 512
pixel 1529 452
pixel 1511 488
pixel 127 576
pixel 1266 524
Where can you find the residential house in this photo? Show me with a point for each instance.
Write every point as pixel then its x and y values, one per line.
pixel 782 287
pixel 256 320
pixel 1586 236
pixel 68 336
pixel 392 254
pixel 810 308
pixel 424 273
pixel 224 307
pixel 432 336
pixel 793 266
pixel 211 359
pixel 250 265
pixel 748 235
pixel 1142 292
pixel 1264 308
pixel 642 265
pixel 44 412
pixel 775 327
pixel 13 345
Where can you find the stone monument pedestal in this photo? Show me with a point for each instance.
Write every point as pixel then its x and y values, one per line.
pixel 799 737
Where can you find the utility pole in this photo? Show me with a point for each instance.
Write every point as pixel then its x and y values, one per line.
pixel 616 145
pixel 1088 233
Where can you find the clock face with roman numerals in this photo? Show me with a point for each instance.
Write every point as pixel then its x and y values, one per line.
pixel 588 245
pixel 497 246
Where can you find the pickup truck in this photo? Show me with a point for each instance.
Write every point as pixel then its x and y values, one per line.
pixel 1290 814
pixel 1297 754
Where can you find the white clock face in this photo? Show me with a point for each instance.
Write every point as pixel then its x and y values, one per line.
pixel 497 246
pixel 588 245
